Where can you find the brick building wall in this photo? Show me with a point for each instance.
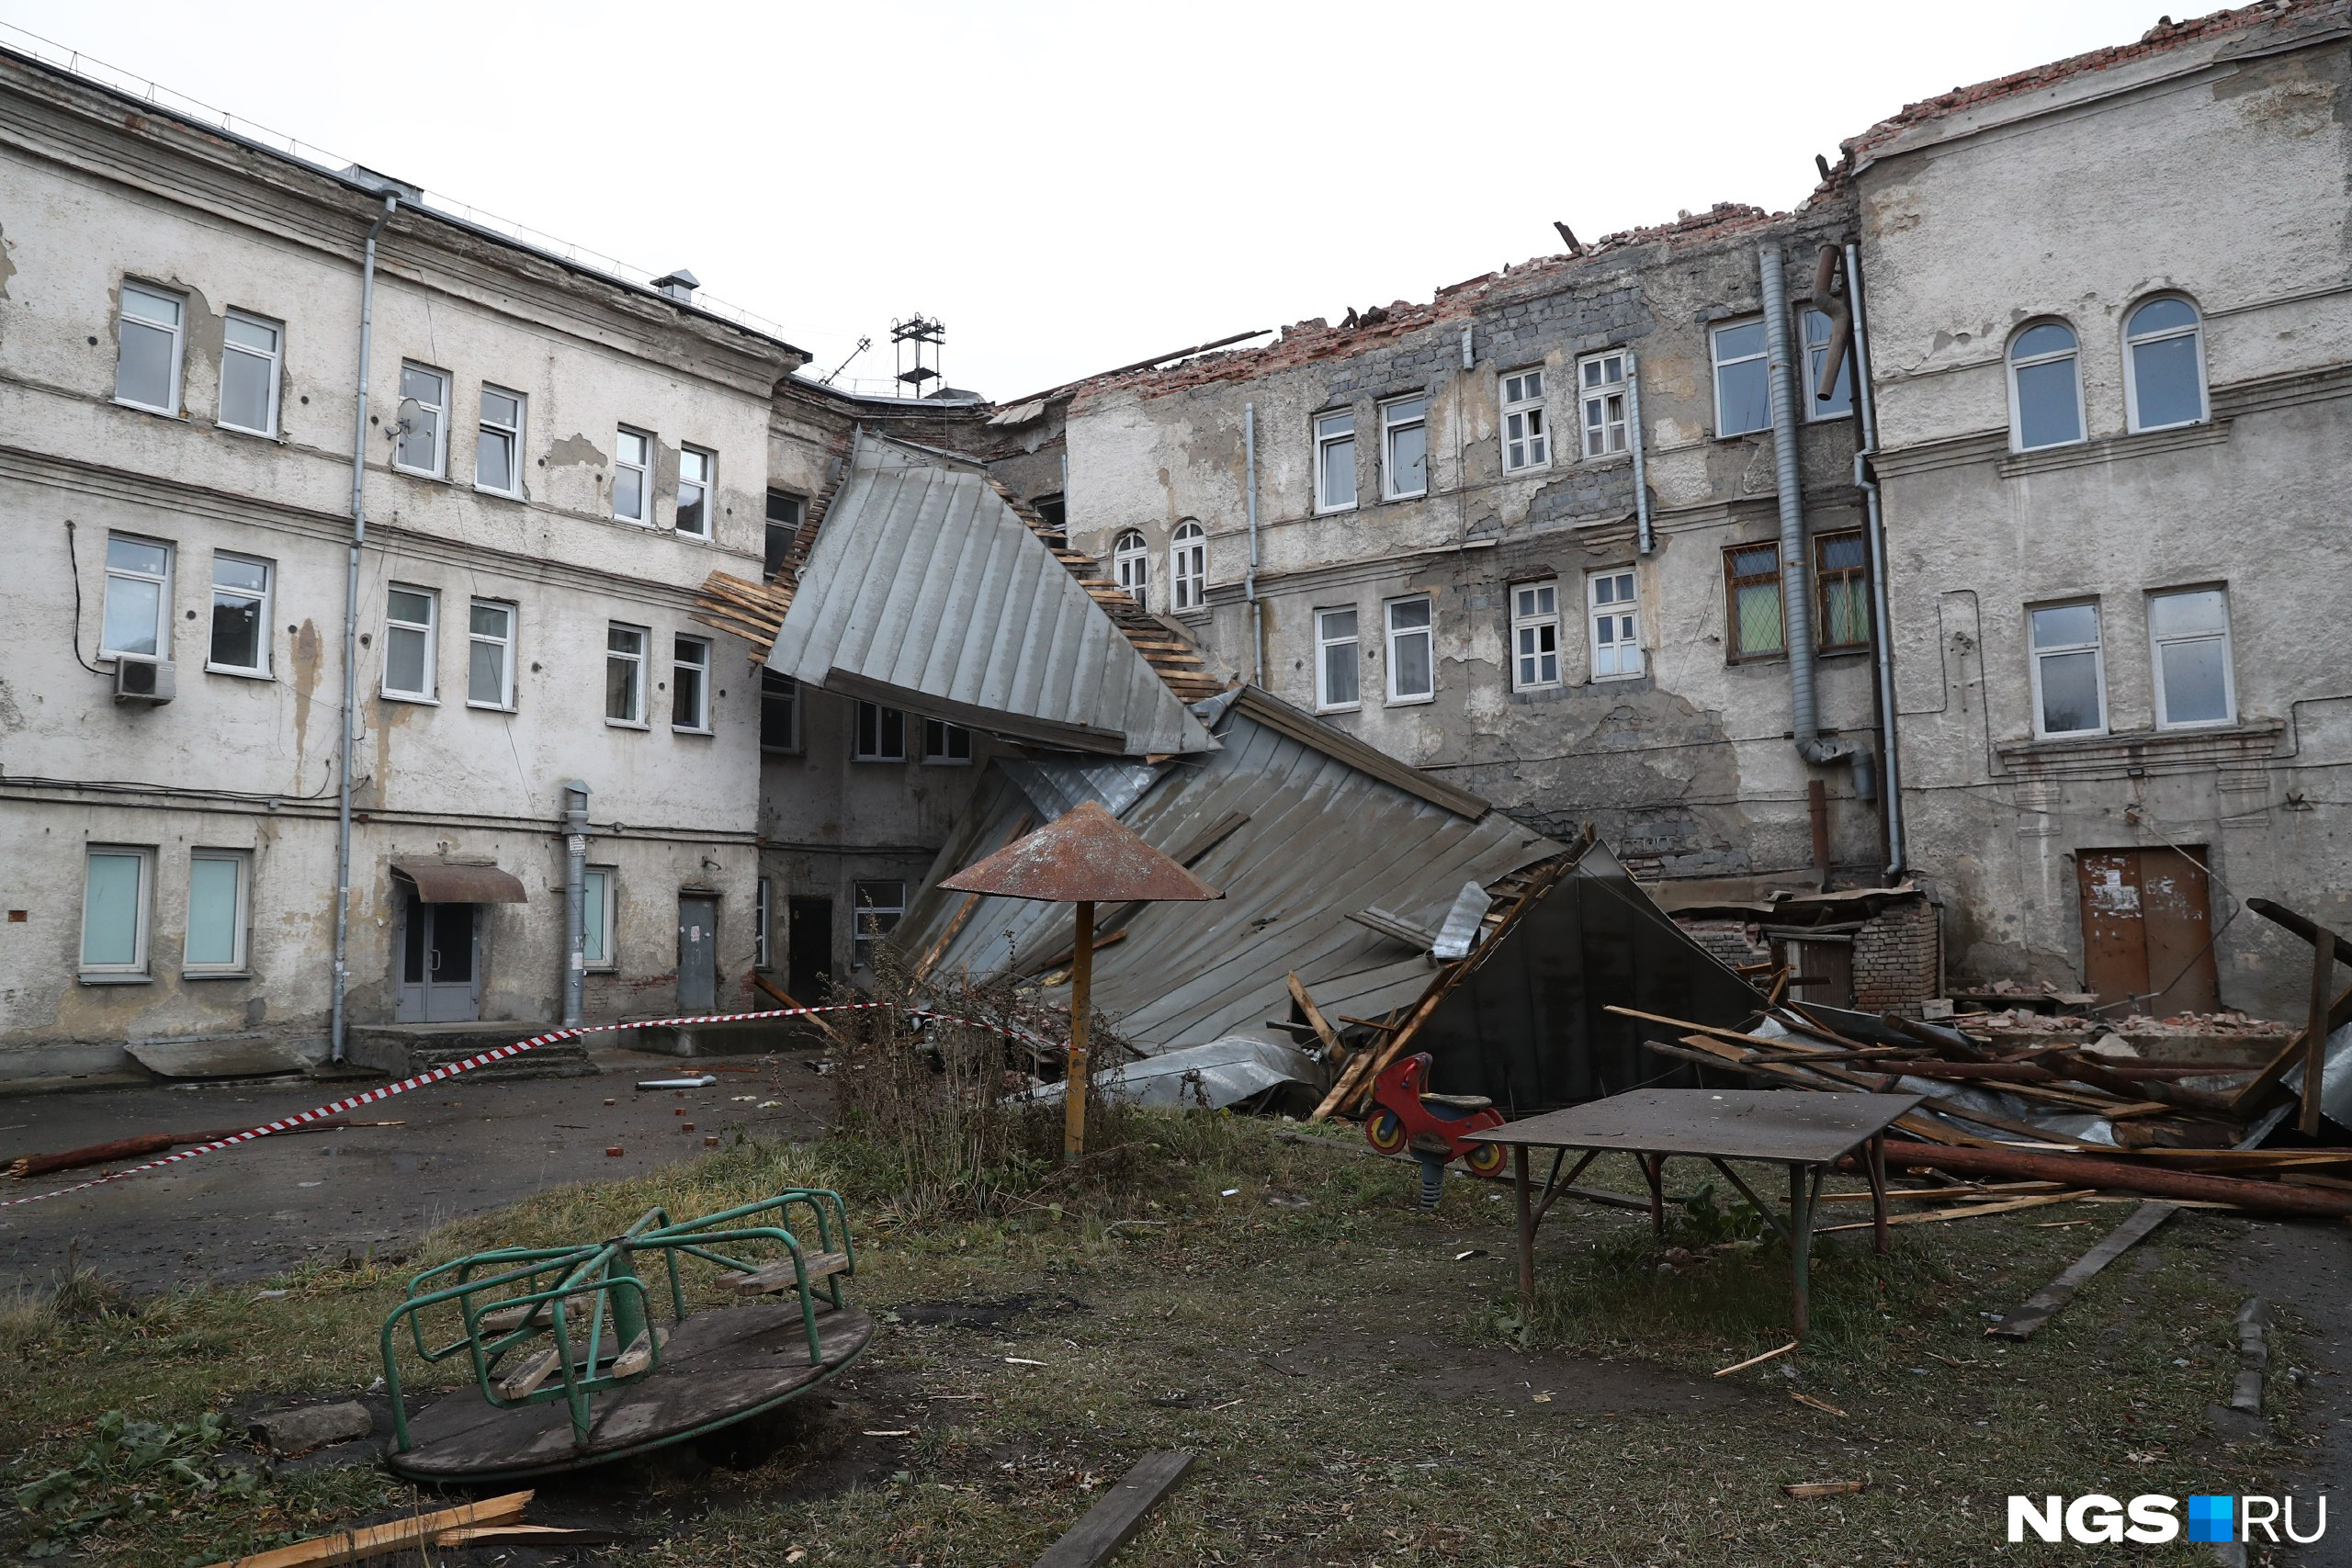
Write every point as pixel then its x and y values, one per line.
pixel 1898 961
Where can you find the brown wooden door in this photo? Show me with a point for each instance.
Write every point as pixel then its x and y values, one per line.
pixel 2148 927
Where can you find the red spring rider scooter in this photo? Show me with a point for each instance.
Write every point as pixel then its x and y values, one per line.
pixel 1406 1115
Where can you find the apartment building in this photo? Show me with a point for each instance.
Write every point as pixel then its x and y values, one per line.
pixel 2109 305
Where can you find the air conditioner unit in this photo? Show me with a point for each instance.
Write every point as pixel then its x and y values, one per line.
pixel 139 680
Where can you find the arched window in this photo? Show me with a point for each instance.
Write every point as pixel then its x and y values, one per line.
pixel 2045 388
pixel 1131 560
pixel 1188 566
pixel 2163 349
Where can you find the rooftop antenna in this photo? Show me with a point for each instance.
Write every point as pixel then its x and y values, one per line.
pixel 862 344
pixel 907 340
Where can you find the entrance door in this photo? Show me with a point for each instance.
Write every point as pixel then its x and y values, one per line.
pixel 809 949
pixel 697 952
pixel 440 960
pixel 2148 927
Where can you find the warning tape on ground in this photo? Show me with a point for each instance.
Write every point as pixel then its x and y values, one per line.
pixel 497 1053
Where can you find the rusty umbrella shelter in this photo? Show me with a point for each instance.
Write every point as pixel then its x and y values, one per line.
pixel 1084 857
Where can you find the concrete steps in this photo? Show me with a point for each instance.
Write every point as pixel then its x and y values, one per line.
pixel 405 1050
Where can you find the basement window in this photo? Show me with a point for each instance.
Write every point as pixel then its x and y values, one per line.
pixel 1526 444
pixel 1131 564
pixel 2189 634
pixel 1335 461
pixel 1534 635
pixel 881 734
pixel 2069 671
pixel 880 907
pixel 1743 379
pixel 1405 448
pixel 1336 648
pixel 762 910
pixel 1601 404
pixel 1616 624
pixel 599 900
pixel 1753 623
pixel 1841 589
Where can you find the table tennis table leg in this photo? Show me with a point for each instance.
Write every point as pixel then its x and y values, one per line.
pixel 1802 1185
pixel 1526 1233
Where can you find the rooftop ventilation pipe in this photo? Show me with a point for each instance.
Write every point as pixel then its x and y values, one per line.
pixel 679 286
pixel 1796 586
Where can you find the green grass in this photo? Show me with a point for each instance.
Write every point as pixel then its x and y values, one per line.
pixel 1357 1390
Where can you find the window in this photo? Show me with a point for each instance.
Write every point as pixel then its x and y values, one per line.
pixel 632 475
pixel 1743 379
pixel 784 527
pixel 250 348
pixel 879 906
pixel 1188 566
pixel 2069 673
pixel 881 734
pixel 1131 563
pixel 1335 658
pixel 1535 635
pixel 2188 632
pixel 219 897
pixel 949 744
pixel 410 617
pixel 696 472
pixel 599 906
pixel 2045 388
pixel 625 675
pixel 489 654
pixel 1525 445
pixel 1335 461
pixel 498 450
pixel 240 615
pixel 1841 589
pixel 1752 602
pixel 2165 343
pixel 690 685
pixel 779 712
pixel 1412 651
pixel 147 356
pixel 762 903
pixel 116 885
pixel 1601 404
pixel 1818 327
pixel 1405 448
pixel 139 597
pixel 1616 638
pixel 424 434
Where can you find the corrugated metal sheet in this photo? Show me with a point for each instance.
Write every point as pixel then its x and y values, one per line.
pixel 1319 837
pixel 926 590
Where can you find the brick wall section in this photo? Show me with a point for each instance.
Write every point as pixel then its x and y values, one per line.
pixel 1734 941
pixel 1897 962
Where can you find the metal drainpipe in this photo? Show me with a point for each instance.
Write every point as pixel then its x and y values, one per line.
pixel 1645 541
pixel 1249 574
pixel 575 888
pixel 351 636
pixel 1796 590
pixel 1890 765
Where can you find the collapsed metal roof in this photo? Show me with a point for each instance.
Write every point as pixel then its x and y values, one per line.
pixel 1284 818
pixel 926 591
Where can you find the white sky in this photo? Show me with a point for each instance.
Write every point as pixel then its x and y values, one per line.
pixel 1071 187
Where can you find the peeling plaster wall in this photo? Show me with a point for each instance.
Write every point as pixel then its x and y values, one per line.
pixel 2191 171
pixel 1687 768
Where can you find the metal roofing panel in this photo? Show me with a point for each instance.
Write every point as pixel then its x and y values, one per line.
pixel 923 579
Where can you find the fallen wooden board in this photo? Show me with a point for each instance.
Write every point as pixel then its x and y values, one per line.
pixel 1113 1521
pixel 354 1546
pixel 543 1537
pixel 1968 1212
pixel 1825 1488
pixel 2045 1302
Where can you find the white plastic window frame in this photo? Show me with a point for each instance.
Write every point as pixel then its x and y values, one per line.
pixel 440 383
pixel 784 689
pixel 1618 613
pixel 704 482
pixel 642 468
pixel 241 915
pixel 143 916
pixel 1131 565
pixel 940 741
pixel 176 328
pixel 763 911
pixel 2096 647
pixel 2133 342
pixel 1527 440
pixel 1719 364
pixel 260 599
pixel 504 642
pixel 1534 635
pixel 1399 416
pixel 1334 428
pixel 696 668
pixel 871 900
pixel 881 751
pixel 2157 644
pixel 163 585
pixel 632 660
pixel 599 910
pixel 488 429
pixel 1324 643
pixel 431 629
pixel 1606 392
pixel 2012 364
pixel 1188 567
pixel 272 363
pixel 1395 637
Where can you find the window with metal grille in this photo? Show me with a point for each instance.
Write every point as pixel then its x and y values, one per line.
pixel 1752 620
pixel 1841 589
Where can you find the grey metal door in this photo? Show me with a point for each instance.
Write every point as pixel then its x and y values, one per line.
pixel 697 952
pixel 440 962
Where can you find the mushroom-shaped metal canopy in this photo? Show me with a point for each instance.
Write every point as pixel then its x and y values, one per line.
pixel 1085 856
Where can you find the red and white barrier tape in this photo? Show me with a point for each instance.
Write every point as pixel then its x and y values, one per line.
pixel 499 1052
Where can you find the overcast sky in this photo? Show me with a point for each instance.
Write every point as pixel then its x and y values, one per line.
pixel 1073 186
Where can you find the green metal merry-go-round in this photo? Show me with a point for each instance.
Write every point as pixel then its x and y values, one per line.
pixel 574 1365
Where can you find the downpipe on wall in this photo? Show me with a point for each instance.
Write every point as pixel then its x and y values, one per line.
pixel 1645 541
pixel 575 890
pixel 351 636
pixel 1250 573
pixel 1866 480
pixel 1796 588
